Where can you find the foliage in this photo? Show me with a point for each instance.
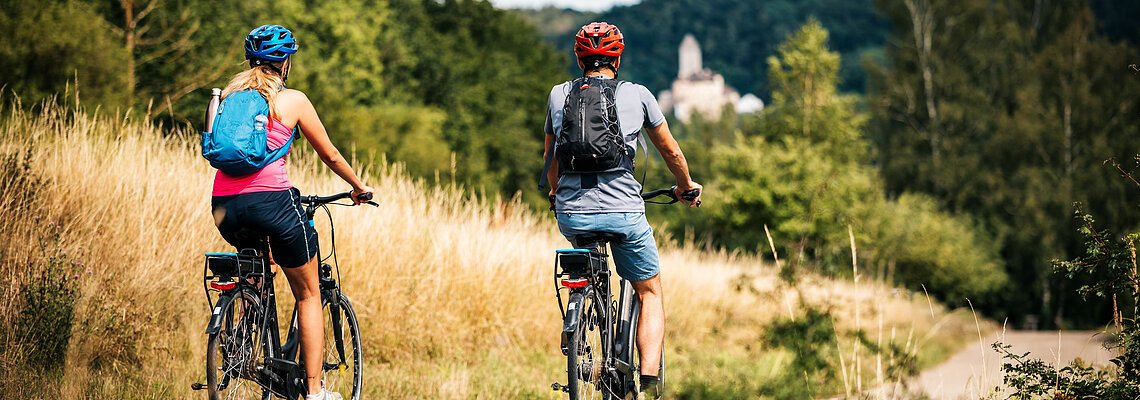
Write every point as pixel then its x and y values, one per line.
pixel 48 305
pixel 1114 261
pixel 491 73
pixel 812 342
pixel 802 168
pixel 736 37
pixel 555 23
pixel 51 44
pixel 996 109
pixel 454 88
pixel 46 297
pixel 918 243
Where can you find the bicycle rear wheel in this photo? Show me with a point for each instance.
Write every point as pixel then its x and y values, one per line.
pixel 585 355
pixel 343 365
pixel 236 350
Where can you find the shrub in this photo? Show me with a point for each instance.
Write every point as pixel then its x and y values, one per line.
pixel 45 317
pixel 1111 262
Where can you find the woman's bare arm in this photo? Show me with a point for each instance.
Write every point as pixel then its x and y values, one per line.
pixel 295 103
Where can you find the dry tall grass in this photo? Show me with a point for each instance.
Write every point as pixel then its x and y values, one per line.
pixel 454 291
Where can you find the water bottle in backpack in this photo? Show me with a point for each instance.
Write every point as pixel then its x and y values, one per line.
pixel 235 137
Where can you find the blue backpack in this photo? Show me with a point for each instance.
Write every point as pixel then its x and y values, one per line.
pixel 237 144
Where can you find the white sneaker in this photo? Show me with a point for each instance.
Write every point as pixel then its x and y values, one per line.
pixel 324 395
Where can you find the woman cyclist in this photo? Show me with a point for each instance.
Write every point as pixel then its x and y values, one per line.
pixel 268 204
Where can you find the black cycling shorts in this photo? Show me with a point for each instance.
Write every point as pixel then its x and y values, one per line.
pixel 276 215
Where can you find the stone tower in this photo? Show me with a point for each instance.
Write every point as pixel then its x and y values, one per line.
pixel 698 90
pixel 690 57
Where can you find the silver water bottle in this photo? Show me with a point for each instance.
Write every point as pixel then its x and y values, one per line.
pixel 212 109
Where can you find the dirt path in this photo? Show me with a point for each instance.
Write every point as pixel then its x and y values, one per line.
pixel 972 372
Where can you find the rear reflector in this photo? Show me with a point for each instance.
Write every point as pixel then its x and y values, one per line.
pixel 575 283
pixel 223 285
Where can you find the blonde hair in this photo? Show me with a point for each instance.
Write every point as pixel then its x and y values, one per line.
pixel 260 78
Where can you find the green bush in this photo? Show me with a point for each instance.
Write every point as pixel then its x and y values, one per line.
pixel 43 326
pixel 45 295
pixel 812 342
pixel 1112 264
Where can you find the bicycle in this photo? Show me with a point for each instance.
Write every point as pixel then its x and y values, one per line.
pixel 598 336
pixel 245 356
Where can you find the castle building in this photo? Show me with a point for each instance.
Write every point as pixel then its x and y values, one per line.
pixel 699 90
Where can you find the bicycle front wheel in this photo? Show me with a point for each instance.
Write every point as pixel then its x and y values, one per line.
pixel 585 356
pixel 343 366
pixel 235 351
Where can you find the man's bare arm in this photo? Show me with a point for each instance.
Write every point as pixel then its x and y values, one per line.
pixel 663 140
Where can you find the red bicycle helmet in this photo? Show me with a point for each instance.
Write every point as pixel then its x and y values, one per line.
pixel 599 39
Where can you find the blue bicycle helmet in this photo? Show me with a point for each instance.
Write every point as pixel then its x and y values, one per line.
pixel 269 43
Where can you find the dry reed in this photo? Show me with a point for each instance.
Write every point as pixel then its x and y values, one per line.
pixel 454 290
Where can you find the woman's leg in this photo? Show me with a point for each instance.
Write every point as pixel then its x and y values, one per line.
pixel 306 289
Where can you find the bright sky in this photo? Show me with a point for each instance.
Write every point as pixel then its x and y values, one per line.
pixel 582 5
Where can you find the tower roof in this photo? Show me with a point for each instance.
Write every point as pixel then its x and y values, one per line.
pixel 689 57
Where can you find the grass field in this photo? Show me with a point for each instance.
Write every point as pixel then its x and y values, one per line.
pixel 106 219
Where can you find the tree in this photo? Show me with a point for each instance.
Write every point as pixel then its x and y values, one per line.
pixel 992 107
pixel 49 45
pixel 803 170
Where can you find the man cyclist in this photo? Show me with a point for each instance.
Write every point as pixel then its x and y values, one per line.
pixel 610 201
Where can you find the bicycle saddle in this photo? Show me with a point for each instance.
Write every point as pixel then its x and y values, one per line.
pixel 596 238
pixel 251 239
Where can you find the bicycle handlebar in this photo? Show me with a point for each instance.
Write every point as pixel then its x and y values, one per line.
pixel 365 198
pixel 688 195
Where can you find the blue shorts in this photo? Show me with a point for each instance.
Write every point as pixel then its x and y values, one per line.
pixel 635 254
pixel 276 215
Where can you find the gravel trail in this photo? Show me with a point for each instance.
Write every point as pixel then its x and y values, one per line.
pixel 976 369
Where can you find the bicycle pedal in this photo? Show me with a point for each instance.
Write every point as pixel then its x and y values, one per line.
pixel 557 387
pixel 197 386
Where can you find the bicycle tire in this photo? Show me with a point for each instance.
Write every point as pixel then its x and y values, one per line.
pixel 234 352
pixel 585 354
pixel 345 374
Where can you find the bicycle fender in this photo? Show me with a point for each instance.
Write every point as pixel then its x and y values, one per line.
pixel 216 316
pixel 573 318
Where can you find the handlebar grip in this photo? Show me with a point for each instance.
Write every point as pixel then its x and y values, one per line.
pixel 690 195
pixel 364 197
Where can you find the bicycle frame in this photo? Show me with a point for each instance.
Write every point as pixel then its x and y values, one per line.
pixel 619 322
pixel 280 374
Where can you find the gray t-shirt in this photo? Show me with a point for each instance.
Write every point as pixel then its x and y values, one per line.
pixel 615 191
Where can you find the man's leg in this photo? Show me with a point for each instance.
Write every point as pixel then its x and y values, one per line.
pixel 637 261
pixel 650 326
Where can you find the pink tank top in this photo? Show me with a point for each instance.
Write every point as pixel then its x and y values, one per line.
pixel 272 178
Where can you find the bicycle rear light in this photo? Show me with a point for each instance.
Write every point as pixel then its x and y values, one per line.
pixel 223 286
pixel 575 283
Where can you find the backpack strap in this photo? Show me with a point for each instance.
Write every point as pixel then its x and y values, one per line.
pixel 641 142
pixel 284 149
pixel 542 181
